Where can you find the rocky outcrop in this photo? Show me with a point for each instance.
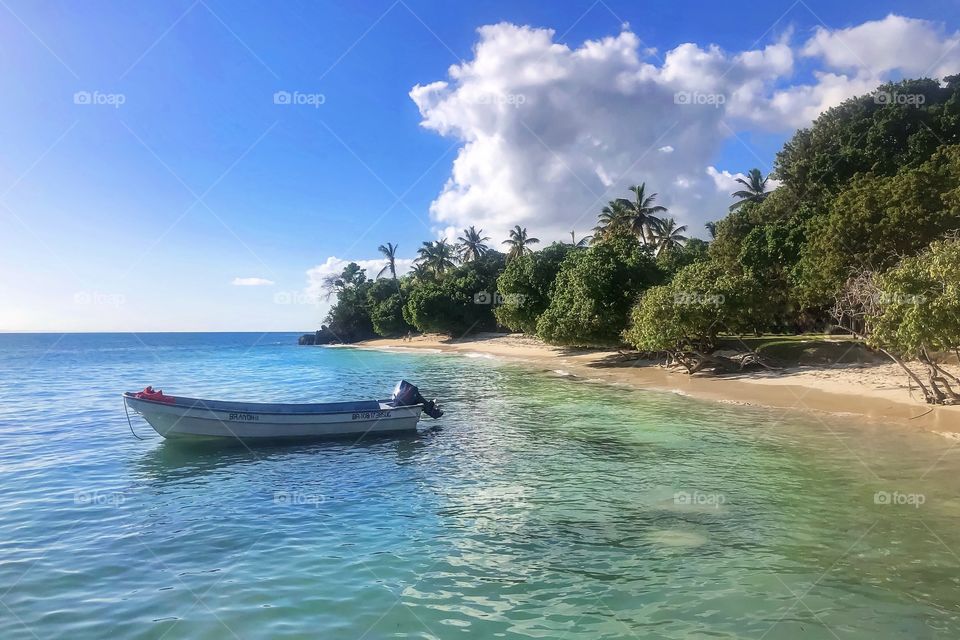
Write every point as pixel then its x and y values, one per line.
pixel 321 336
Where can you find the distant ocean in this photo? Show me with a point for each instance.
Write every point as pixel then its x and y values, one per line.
pixel 542 507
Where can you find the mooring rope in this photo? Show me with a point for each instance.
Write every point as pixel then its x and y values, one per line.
pixel 130 424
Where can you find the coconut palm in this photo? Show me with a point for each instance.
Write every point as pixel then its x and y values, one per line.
pixel 389 252
pixel 667 235
pixel 519 241
pixel 470 245
pixel 582 243
pixel 420 272
pixel 643 211
pixel 711 228
pixel 616 215
pixel 756 189
pixel 437 256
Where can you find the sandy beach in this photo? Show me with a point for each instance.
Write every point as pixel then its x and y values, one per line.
pixel 874 391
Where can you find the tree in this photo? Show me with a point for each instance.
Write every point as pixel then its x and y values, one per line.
pixel 582 243
pixel 711 228
pixel 917 313
pixel 685 317
pixel 385 307
pixel 471 245
pixel 666 235
pixel 756 189
pixel 389 251
pixel 519 242
pixel 461 302
pixel 593 291
pixel 438 256
pixel 876 219
pixel 613 217
pixel 643 212
pixel 672 260
pixel 871 133
pixel 420 273
pixel 525 286
pixel 349 318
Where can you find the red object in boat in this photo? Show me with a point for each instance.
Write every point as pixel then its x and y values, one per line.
pixel 157 396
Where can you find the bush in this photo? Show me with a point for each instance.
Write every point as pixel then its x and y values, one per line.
pixel 460 302
pixel 385 306
pixel 524 287
pixel 593 292
pixel 702 301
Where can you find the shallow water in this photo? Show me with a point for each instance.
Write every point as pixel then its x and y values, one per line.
pixel 542 507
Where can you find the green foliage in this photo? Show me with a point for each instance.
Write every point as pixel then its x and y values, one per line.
pixel 877 133
pixel 919 303
pixel 672 260
pixel 594 289
pixel 385 307
pixel 460 302
pixel 700 302
pixel 878 218
pixel 524 287
pixel 349 319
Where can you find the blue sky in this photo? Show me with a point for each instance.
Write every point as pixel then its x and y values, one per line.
pixel 139 216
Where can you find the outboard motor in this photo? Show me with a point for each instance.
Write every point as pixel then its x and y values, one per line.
pixel 407 395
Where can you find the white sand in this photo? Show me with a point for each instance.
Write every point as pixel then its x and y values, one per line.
pixel 879 391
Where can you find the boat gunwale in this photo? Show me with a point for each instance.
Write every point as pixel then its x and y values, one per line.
pixel 202 404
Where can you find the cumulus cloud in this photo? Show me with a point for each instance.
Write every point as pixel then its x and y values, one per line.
pixel 896 43
pixel 251 282
pixel 551 132
pixel 333 265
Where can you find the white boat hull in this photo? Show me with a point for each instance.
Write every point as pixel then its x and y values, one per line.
pixel 200 419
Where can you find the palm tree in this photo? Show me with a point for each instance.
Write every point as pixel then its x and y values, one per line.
pixel 389 252
pixel 471 245
pixel 420 272
pixel 711 228
pixel 643 211
pixel 519 242
pixel 616 215
pixel 582 243
pixel 668 235
pixel 756 189
pixel 437 256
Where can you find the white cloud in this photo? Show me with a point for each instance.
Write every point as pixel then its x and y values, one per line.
pixel 334 265
pixel 251 282
pixel 550 132
pixel 896 43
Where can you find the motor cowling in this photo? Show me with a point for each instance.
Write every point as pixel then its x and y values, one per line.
pixel 407 395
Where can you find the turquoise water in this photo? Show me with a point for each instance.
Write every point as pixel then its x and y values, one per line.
pixel 544 507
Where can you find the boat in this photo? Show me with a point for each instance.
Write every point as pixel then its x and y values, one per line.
pixel 194 418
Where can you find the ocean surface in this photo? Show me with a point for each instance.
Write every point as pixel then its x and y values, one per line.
pixel 540 506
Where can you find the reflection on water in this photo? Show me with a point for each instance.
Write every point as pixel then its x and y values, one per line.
pixel 544 507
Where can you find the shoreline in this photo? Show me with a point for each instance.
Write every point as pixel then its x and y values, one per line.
pixel 869 391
